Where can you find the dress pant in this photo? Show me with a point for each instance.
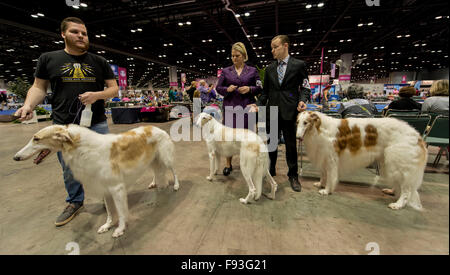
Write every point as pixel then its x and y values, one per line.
pixel 289 129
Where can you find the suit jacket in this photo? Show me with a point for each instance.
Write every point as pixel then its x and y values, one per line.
pixel 287 95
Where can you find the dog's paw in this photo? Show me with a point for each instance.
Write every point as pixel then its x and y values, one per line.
pixel 104 228
pixel 152 185
pixel 209 178
pixel 323 192
pixel 118 232
pixel 176 187
pixel 317 184
pixel 242 200
pixel 394 206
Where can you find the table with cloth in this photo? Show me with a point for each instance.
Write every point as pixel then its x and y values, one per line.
pixel 135 114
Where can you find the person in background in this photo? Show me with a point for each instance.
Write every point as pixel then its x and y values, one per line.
pixel 203 88
pixel 238 84
pixel 178 95
pixel 172 95
pixel 211 93
pixel 77 77
pixel 438 101
pixel 405 102
pixel 357 104
pixel 3 100
pixel 191 90
pixel 325 95
pixel 126 98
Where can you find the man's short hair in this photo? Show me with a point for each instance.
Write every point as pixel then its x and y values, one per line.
pixel 407 91
pixel 355 91
pixel 283 38
pixel 64 23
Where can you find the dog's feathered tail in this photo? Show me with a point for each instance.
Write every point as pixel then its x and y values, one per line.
pixel 164 159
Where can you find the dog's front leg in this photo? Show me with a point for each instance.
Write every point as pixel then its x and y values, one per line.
pixel 212 156
pixel 104 228
pixel 119 195
pixel 216 163
pixel 323 180
pixel 332 179
pixel 402 199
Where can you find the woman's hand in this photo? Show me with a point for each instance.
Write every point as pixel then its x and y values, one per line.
pixel 253 108
pixel 231 88
pixel 244 89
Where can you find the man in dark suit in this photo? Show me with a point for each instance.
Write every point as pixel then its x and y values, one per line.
pixel 283 87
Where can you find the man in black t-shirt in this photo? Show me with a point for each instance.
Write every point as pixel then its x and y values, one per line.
pixel 76 78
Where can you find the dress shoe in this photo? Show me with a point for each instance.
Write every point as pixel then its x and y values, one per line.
pixel 227 170
pixel 295 184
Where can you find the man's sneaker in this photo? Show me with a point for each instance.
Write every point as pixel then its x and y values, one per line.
pixel 69 212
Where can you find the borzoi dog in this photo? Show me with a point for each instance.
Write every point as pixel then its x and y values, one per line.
pixel 224 141
pixel 108 161
pixel 342 145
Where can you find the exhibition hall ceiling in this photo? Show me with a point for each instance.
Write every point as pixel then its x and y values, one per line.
pixel 196 36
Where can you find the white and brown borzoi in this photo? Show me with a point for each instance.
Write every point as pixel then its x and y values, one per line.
pixel 107 161
pixel 223 141
pixel 342 145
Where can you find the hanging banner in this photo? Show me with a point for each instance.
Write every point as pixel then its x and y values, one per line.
pixel 403 79
pixel 318 79
pixel 345 69
pixel 122 77
pixel 345 77
pixel 173 80
pixel 321 62
pixel 183 80
pixel 333 70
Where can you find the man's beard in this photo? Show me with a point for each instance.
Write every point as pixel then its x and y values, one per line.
pixel 73 44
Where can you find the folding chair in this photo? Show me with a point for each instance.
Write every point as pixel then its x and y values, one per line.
pixel 418 122
pixel 389 112
pixel 439 136
pixel 358 115
pixel 333 114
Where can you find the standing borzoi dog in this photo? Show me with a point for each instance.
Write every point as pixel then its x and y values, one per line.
pixel 342 145
pixel 223 141
pixel 108 161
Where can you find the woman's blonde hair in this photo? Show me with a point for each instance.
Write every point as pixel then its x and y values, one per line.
pixel 240 47
pixel 439 88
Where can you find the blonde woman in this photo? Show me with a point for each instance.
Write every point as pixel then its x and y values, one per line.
pixel 438 102
pixel 239 84
pixel 191 89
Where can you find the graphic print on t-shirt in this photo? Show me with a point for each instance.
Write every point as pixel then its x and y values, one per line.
pixel 77 72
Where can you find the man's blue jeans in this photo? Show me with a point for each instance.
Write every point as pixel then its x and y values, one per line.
pixel 74 187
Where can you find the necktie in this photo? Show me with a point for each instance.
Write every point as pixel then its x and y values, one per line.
pixel 281 70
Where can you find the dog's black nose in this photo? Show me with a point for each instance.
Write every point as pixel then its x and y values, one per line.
pixel 16 158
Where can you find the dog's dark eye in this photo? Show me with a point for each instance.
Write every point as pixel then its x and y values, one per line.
pixel 304 123
pixel 36 139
